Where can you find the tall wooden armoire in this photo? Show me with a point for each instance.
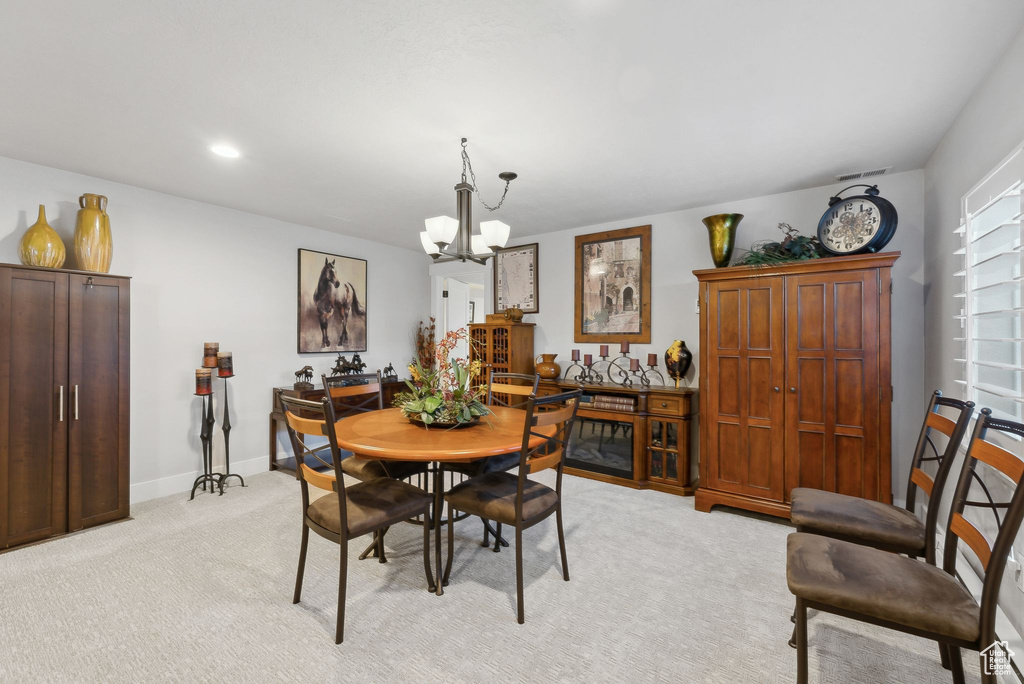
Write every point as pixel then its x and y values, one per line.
pixel 795 388
pixel 502 347
pixel 64 395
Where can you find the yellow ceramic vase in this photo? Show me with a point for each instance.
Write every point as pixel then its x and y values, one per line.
pixel 40 245
pixel 93 245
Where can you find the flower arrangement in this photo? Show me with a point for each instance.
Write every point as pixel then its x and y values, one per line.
pixel 794 247
pixel 443 394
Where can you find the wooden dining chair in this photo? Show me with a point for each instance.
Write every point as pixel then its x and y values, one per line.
pixel 503 389
pixel 881 525
pixel 515 499
pixel 910 596
pixel 346 512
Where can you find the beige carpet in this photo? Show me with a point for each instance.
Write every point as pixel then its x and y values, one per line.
pixel 201 591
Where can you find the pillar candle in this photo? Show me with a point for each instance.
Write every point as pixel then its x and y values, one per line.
pixel 624 347
pixel 634 364
pixel 575 354
pixel 204 383
pixel 604 350
pixel 225 367
pixel 210 350
pixel 652 360
pixel 588 359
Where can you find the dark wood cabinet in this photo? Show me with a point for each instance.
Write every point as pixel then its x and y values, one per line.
pixel 501 348
pixel 64 402
pixel 795 381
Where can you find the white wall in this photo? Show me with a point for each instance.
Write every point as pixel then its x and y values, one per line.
pixel 680 245
pixel 985 132
pixel 202 273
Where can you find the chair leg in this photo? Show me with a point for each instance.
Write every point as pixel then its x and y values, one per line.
pixel 451 546
pixel 487 535
pixel 561 542
pixel 302 563
pixel 944 655
pixel 956 665
pixel 382 558
pixel 497 538
pixel 801 642
pixel 339 635
pixel 426 555
pixel 519 576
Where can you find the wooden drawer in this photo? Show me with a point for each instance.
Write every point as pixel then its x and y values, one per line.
pixel 668 405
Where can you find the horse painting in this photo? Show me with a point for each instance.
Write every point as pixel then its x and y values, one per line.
pixel 331 290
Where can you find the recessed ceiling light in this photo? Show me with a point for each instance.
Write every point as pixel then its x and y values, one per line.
pixel 225 151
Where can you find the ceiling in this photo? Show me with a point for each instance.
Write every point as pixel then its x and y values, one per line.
pixel 349 114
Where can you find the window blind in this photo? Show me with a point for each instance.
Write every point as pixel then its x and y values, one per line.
pixel 988 349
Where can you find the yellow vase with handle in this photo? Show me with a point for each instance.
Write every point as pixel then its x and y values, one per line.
pixel 40 245
pixel 94 247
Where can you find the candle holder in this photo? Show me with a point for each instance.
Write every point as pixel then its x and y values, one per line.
pixel 618 370
pixel 227 432
pixel 580 372
pixel 645 375
pixel 206 437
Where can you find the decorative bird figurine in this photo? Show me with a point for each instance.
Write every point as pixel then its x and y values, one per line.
pixel 678 360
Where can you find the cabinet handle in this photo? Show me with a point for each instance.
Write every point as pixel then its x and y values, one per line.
pixel 76 402
pixel 663 404
pixel 792 390
pixel 60 404
pixel 776 389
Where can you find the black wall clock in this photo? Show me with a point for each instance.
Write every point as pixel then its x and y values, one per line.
pixel 858 224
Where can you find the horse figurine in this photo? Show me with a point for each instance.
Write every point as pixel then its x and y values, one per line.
pixel 390 373
pixel 357 366
pixel 328 302
pixel 304 378
pixel 340 364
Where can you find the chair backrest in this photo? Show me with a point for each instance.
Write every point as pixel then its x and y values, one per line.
pixel 358 393
pixel 511 389
pixel 927 452
pixel 557 410
pixel 305 419
pixel 992 556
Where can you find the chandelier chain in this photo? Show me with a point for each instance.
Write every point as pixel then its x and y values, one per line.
pixel 468 165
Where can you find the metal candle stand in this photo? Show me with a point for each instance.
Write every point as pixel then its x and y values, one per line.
pixel 207 422
pixel 616 371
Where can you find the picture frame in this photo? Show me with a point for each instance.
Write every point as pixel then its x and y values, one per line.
pixel 516 278
pixel 331 313
pixel 613 286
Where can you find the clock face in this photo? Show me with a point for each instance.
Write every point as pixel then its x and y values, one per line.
pixel 849 225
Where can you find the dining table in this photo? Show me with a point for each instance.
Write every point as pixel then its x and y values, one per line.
pixel 388 434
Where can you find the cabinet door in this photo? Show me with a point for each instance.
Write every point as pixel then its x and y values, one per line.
pixel 832 393
pixel 478 351
pixel 746 371
pixel 500 349
pixel 98 376
pixel 33 420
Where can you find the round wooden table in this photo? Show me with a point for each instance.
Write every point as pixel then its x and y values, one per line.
pixel 387 434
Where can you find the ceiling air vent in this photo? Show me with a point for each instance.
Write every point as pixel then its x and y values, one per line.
pixel 861 174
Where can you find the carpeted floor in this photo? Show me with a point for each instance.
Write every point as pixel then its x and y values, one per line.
pixel 201 591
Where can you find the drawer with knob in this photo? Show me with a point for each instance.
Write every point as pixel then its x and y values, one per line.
pixel 668 404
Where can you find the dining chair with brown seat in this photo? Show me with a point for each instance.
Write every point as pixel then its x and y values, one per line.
pixel 908 595
pixel 881 525
pixel 513 498
pixel 360 393
pixel 346 512
pixel 503 389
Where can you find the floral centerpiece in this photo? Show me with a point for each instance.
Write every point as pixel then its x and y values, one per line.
pixel 443 395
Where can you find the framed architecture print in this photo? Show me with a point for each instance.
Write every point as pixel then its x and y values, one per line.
pixel 332 303
pixel 613 286
pixel 515 279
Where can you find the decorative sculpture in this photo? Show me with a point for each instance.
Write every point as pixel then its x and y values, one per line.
pixel 389 374
pixel 304 378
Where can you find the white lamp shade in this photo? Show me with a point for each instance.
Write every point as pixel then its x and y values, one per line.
pixel 428 246
pixel 480 245
pixel 442 229
pixel 494 233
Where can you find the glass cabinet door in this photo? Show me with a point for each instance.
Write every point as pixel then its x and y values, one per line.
pixel 663 451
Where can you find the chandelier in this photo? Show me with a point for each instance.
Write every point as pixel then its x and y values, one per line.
pixel 444 232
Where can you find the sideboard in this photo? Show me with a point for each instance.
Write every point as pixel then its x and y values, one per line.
pixel 632 436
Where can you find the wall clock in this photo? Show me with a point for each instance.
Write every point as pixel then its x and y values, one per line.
pixel 857 224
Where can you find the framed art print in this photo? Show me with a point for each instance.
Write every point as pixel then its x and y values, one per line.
pixel 332 303
pixel 613 286
pixel 515 279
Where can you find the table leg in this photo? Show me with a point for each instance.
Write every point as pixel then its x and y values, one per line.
pixel 438 506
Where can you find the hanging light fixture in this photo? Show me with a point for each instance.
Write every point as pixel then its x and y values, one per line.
pixel 443 232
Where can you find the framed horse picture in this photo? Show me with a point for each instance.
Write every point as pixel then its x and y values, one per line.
pixel 332 303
